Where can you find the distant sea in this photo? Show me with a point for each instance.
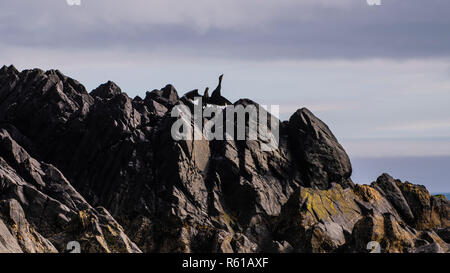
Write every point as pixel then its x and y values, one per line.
pixel 432 172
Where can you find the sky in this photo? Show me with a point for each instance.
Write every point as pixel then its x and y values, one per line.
pixel 379 75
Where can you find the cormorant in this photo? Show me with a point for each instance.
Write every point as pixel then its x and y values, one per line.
pixel 216 92
pixel 206 96
pixel 216 97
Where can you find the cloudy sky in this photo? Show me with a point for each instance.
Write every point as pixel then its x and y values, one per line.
pixel 379 76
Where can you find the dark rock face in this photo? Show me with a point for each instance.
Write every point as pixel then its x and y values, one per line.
pixel 106 91
pixel 40 208
pixel 320 157
pixel 102 169
pixel 387 185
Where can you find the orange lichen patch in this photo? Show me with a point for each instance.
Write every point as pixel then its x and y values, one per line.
pixel 111 231
pixel 15 228
pixel 114 241
pixel 367 193
pixel 85 218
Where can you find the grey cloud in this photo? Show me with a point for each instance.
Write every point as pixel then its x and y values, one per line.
pixel 263 29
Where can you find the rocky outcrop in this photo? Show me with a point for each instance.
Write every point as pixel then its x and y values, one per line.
pixel 41 212
pixel 346 220
pixel 388 187
pixel 320 157
pixel 17 235
pixel 102 169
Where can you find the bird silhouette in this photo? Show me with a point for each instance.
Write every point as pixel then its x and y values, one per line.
pixel 216 96
pixel 216 92
pixel 206 96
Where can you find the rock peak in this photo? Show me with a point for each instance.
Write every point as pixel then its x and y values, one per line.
pixel 307 136
pixel 8 69
pixel 106 90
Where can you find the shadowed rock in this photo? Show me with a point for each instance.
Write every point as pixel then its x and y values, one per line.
pixel 387 186
pixel 106 90
pixel 319 155
pixel 103 169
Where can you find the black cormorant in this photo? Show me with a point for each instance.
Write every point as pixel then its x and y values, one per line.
pixel 216 96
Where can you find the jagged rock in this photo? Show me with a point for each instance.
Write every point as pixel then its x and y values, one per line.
pixel 429 211
pixel 8 243
pixel 321 158
pixel 384 229
pixel 225 242
pixel 388 187
pixel 103 169
pixel 429 248
pixel 432 238
pixel 167 96
pixel 340 219
pixel 38 206
pixel 318 220
pixel 106 90
pixel 28 239
pixel 444 233
pixel 97 232
pixel 281 247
